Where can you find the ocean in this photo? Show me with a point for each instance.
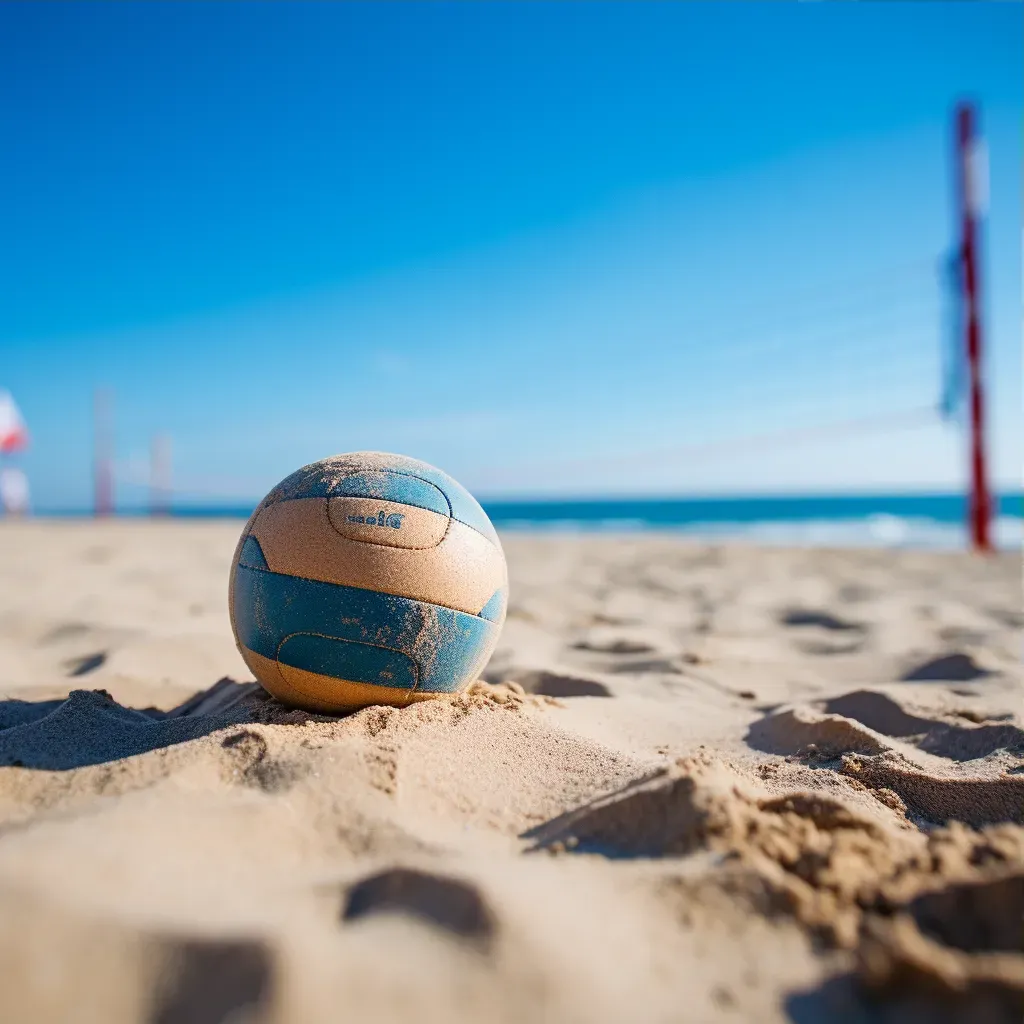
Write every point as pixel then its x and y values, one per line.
pixel 881 520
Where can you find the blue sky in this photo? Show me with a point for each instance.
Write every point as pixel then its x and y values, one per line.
pixel 552 248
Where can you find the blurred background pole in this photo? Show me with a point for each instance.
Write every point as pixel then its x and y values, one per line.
pixel 103 452
pixel 971 186
pixel 13 438
pixel 160 476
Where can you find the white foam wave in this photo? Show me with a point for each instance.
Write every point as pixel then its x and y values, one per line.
pixel 875 531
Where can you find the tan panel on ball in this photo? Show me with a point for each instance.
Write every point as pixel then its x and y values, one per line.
pixel 461 572
pixel 317 692
pixel 391 523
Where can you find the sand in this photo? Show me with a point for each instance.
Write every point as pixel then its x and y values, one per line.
pixel 697 783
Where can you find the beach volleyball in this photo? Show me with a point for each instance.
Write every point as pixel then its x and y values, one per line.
pixel 367 578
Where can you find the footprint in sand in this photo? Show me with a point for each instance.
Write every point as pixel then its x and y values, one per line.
pixel 657 666
pixel 455 906
pixel 617 646
pixel 959 743
pixel 557 684
pixel 627 656
pixel 854 730
pixel 813 621
pixel 824 620
pixel 976 917
pixel 851 724
pixel 207 981
pixel 85 664
pixel 957 667
pixel 249 763
pixel 82 648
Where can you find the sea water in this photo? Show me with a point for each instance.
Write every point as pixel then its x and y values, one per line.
pixel 917 520
pixel 892 520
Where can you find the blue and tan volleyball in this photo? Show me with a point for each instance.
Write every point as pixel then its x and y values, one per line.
pixel 367 578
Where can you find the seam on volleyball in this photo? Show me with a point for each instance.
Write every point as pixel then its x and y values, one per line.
pixel 390 472
pixel 295 694
pixel 360 540
pixel 280 680
pixel 325 636
pixel 368 590
pixel 411 476
pixel 411 504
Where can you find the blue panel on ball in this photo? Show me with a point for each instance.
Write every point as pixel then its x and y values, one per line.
pixel 495 607
pixel 391 486
pixel 405 480
pixel 465 508
pixel 445 644
pixel 344 659
pixel 252 554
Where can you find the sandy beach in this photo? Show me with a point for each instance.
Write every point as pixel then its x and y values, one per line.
pixel 696 783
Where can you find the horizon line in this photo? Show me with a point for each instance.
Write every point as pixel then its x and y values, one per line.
pixel 197 507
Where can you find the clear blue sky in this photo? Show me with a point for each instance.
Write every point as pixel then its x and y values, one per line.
pixel 533 243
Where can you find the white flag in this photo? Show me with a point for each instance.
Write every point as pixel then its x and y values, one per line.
pixel 13 491
pixel 13 435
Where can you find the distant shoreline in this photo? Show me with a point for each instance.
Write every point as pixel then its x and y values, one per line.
pixel 670 510
pixel 932 521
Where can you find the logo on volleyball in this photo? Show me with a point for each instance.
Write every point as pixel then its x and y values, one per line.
pixel 393 519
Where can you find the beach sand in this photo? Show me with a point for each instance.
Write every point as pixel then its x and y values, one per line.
pixel 698 783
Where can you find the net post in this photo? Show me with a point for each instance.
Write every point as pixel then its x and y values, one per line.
pixel 969 193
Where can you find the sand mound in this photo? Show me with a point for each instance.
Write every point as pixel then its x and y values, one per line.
pixel 90 727
pixel 825 850
pixel 926 916
pixel 854 730
pixel 877 711
pixel 802 731
pixel 860 721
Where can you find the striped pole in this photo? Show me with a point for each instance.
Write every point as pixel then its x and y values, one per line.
pixel 971 179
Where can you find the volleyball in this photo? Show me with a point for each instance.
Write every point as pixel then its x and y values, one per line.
pixel 367 578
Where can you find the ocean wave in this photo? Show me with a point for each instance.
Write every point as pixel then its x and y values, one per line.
pixel 874 531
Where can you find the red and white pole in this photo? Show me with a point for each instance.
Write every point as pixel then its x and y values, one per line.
pixel 971 185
